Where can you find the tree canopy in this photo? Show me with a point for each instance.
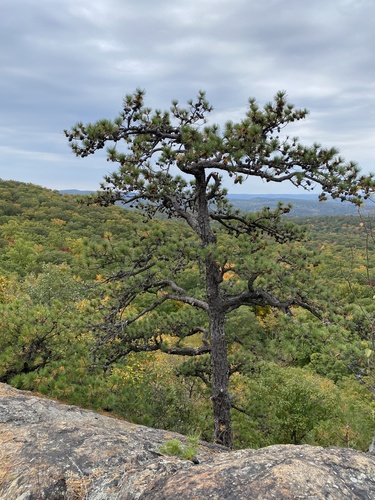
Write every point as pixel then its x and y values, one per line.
pixel 173 163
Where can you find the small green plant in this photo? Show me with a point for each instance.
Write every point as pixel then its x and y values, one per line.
pixel 176 448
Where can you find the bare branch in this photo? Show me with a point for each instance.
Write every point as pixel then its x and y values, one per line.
pixel 181 294
pixel 186 351
pixel 261 297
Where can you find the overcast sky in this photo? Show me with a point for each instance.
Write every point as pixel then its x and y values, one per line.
pixel 64 61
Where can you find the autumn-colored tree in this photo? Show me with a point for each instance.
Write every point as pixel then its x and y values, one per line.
pixel 174 163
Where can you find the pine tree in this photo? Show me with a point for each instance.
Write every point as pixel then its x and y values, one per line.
pixel 174 163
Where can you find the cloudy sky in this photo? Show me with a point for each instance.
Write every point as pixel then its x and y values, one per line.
pixel 64 61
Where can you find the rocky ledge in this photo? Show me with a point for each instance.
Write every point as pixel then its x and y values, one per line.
pixel 52 451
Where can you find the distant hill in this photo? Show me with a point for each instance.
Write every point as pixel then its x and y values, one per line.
pixel 76 191
pixel 304 204
pixel 307 206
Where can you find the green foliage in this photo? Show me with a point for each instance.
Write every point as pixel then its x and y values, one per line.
pixel 21 256
pixel 175 447
pixel 291 405
pixel 54 284
pixel 37 318
pixel 293 378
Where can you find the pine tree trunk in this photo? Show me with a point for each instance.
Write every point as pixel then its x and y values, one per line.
pixel 219 360
pixel 220 380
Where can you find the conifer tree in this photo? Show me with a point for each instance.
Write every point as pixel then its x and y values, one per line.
pixel 175 163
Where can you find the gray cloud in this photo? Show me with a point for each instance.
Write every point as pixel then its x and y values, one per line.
pixel 68 60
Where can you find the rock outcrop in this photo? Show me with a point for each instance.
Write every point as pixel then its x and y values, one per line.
pixel 372 446
pixel 54 451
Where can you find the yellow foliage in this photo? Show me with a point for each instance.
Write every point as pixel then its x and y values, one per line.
pixel 131 373
pixel 6 289
pixel 326 384
pixel 360 268
pixel 82 305
pixel 59 222
pixel 38 248
pixel 229 275
pixel 135 371
pixel 239 385
pixel 3 286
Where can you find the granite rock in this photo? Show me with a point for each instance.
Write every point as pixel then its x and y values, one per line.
pixel 49 450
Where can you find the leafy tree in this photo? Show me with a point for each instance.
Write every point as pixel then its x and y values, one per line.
pixel 38 320
pixel 292 405
pixel 174 163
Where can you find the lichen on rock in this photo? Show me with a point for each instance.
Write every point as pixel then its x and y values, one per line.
pixel 55 451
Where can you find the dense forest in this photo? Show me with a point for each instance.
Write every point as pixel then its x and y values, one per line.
pixel 294 378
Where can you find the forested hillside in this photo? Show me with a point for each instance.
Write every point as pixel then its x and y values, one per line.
pixel 304 205
pixel 295 378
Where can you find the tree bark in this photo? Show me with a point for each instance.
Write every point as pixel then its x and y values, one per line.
pixel 220 380
pixel 219 356
pixel 217 314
